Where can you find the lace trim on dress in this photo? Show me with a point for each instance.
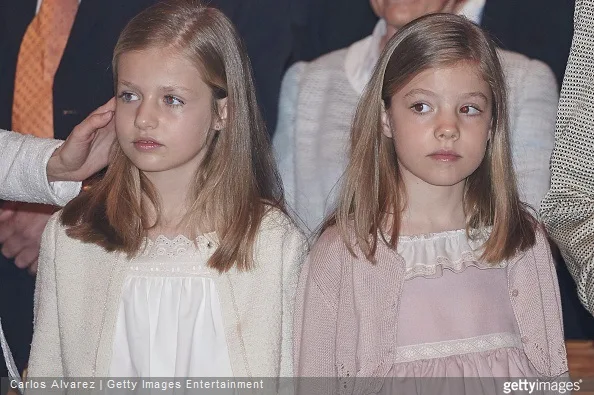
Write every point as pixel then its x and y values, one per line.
pixel 177 256
pixel 429 254
pixel 457 347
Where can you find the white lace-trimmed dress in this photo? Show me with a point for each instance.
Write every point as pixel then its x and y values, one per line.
pixel 169 322
pixel 455 317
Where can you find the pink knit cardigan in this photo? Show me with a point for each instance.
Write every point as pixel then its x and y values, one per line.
pixel 346 314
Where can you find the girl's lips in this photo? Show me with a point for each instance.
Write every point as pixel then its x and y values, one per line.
pixel 445 156
pixel 146 145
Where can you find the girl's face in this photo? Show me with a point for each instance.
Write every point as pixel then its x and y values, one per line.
pixel 163 112
pixel 440 123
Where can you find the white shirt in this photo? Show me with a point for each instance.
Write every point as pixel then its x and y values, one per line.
pixel 170 322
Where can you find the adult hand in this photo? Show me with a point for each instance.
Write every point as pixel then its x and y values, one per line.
pixel 86 150
pixel 21 226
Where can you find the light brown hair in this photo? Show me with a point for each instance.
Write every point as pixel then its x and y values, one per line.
pixel 373 194
pixel 237 181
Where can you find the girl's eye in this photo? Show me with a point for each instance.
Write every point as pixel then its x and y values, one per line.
pixel 420 108
pixel 128 97
pixel 173 101
pixel 470 110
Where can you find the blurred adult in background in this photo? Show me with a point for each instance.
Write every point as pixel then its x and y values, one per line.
pixel 77 80
pixel 318 100
pixel 539 29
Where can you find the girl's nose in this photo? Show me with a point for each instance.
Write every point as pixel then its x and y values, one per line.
pixel 447 128
pixel 145 117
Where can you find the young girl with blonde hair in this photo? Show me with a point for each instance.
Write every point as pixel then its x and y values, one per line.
pixel 430 266
pixel 181 261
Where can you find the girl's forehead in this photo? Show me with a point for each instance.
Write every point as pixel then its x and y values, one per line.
pixel 463 68
pixel 157 58
pixel 148 70
pixel 462 77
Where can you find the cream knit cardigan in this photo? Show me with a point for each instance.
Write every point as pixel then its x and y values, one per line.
pixel 78 292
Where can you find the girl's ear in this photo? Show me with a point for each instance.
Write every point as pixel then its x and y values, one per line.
pixel 386 127
pixel 221 121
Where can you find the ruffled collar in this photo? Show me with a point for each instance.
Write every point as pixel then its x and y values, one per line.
pixel 430 254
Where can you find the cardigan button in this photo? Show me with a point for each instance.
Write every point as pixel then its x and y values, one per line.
pixel 524 339
pixel 515 293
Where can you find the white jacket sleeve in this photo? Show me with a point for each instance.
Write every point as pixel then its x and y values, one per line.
pixel 23 177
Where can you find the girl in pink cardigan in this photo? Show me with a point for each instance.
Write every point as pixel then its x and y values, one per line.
pixel 430 266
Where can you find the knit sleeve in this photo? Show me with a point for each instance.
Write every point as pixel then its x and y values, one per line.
pixel 284 141
pixel 316 318
pixel 294 249
pixel 46 356
pixel 568 208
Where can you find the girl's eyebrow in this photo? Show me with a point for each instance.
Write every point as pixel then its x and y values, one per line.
pixel 164 88
pixel 128 84
pixel 419 91
pixel 172 88
pixel 477 94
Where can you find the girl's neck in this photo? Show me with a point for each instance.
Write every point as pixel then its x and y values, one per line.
pixel 432 209
pixel 173 194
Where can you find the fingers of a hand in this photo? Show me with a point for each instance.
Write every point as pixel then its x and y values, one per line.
pixel 6 231
pixel 33 268
pixel 109 106
pixel 13 246
pixel 6 215
pixel 90 125
pixel 26 257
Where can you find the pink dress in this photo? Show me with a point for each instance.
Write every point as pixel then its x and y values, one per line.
pixel 455 318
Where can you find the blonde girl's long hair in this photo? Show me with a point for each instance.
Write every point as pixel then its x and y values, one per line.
pixel 237 181
pixel 373 195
